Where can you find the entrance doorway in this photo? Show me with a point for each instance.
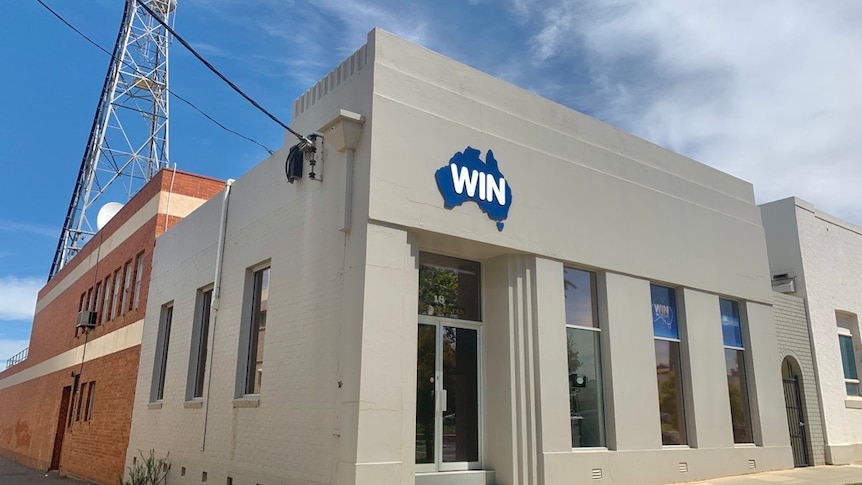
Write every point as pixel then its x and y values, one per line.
pixel 447 397
pixel 448 387
pixel 795 412
pixel 65 399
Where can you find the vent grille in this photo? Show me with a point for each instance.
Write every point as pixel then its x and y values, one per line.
pixel 683 467
pixel 597 473
pixel 752 464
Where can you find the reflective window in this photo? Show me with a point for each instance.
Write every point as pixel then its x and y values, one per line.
pixel 257 322
pixel 848 361
pixel 139 273
pixel 586 406
pixel 200 339
pixel 848 332
pixel 127 286
pixel 425 393
pixel 163 339
pixel 734 357
pixel 448 287
pixel 671 397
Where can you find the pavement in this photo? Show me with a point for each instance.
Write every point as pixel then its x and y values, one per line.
pixel 12 473
pixel 814 475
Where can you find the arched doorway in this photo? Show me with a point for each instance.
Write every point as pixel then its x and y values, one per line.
pixel 796 419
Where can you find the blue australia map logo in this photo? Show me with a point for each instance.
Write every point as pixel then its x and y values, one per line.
pixel 467 178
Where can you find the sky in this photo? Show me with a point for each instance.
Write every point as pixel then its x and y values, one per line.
pixel 768 91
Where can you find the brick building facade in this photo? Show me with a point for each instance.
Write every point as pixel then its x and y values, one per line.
pixel 68 405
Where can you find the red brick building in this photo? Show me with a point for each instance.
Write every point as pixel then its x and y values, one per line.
pixel 68 405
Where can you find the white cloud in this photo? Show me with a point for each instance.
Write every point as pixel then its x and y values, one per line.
pixel 18 297
pixel 767 91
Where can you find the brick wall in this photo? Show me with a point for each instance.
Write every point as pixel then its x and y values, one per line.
pixel 791 326
pixel 93 449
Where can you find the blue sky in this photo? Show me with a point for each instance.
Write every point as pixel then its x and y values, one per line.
pixel 767 91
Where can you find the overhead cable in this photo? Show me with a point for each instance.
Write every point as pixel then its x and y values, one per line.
pixel 215 71
pixel 173 93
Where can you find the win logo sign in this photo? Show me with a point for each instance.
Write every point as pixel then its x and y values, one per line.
pixel 468 178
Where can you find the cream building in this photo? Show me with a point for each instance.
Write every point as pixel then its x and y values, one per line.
pixel 816 256
pixel 479 286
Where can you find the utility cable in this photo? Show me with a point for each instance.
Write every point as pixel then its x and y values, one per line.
pixel 303 139
pixel 173 93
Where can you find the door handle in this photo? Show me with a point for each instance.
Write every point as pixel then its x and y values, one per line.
pixel 443 396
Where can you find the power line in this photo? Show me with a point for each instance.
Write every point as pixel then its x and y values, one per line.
pixel 173 93
pixel 215 71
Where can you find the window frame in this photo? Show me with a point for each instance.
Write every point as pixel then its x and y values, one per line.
pixel 596 330
pixel 91 397
pixel 682 381
pixel 125 301
pixel 249 344
pixel 160 361
pixel 106 300
pixel 844 333
pixel 199 350
pixel 115 294
pixel 139 273
pixel 742 361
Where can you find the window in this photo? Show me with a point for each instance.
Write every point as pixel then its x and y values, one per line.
pixel 89 303
pixel 200 337
pixel 847 328
pixel 163 340
pixel 139 273
pixel 88 414
pixel 80 406
pixel 586 404
pixel 734 358
pixel 106 305
pixel 449 287
pixel 256 328
pixel 83 302
pixel 668 366
pixel 127 286
pixel 115 304
pixel 97 297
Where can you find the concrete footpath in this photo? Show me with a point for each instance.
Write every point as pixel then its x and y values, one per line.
pixel 815 475
pixel 12 473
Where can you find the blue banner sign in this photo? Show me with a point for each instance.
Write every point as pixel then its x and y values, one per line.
pixel 731 331
pixel 664 321
pixel 467 178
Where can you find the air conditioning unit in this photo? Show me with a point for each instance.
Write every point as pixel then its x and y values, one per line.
pixel 784 282
pixel 86 319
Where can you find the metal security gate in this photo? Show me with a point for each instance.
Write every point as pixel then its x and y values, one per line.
pixel 796 421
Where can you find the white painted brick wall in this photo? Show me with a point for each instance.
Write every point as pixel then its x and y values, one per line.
pixel 791 326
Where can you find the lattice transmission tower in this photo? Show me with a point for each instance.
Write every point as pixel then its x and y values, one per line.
pixel 128 141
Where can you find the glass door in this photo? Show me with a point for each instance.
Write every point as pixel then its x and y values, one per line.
pixel 447 396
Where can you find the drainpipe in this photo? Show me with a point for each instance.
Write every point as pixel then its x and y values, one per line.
pixel 214 304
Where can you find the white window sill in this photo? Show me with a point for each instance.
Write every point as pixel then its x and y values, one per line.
pixel 247 402
pixel 589 449
pixel 676 447
pixel 745 445
pixel 853 402
pixel 193 404
pixel 155 405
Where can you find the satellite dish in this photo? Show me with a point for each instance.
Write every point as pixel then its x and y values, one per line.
pixel 106 213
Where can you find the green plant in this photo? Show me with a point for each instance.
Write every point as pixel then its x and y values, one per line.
pixel 149 470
